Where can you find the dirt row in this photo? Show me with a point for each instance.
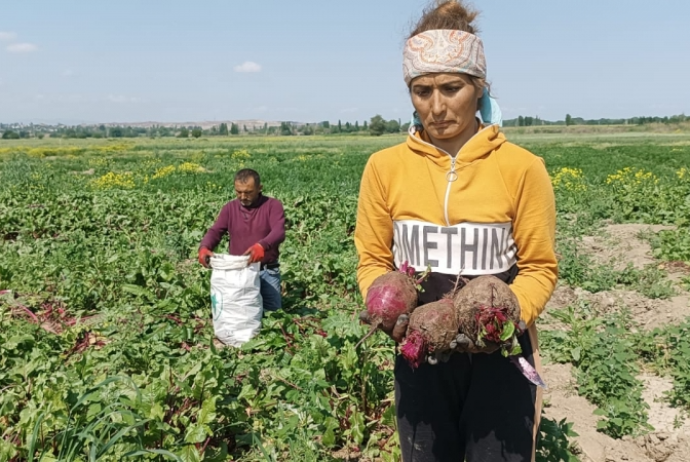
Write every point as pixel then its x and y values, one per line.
pixel 619 245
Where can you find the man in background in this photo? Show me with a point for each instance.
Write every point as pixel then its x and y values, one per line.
pixel 255 225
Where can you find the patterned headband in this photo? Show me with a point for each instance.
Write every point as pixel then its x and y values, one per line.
pixel 443 51
pixel 451 51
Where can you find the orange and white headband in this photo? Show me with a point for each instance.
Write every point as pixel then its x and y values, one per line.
pixel 452 51
pixel 437 51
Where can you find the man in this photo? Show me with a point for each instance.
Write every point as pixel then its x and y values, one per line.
pixel 256 227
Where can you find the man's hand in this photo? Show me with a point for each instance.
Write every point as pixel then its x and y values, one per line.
pixel 397 333
pixel 205 257
pixel 255 252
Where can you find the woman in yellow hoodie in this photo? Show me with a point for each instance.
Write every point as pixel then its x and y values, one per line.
pixel 458 197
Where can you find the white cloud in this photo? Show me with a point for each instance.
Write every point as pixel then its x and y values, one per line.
pixel 122 99
pixel 248 66
pixel 21 48
pixel 7 36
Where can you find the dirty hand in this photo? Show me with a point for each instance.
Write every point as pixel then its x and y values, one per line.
pixel 205 257
pixel 463 344
pixel 397 333
pixel 438 357
pixel 255 252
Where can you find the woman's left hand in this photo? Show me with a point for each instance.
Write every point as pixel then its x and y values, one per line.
pixel 463 344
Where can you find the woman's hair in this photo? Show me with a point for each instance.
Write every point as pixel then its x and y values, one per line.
pixel 450 15
pixel 447 14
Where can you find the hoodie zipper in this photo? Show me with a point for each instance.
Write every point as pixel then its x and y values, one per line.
pixel 452 175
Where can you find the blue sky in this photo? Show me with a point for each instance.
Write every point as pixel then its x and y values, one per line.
pixel 311 60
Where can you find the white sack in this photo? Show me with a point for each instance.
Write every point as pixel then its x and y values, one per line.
pixel 235 299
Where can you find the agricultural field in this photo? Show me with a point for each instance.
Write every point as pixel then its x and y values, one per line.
pixel 106 348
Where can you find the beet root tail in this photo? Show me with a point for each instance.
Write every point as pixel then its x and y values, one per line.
pixel 368 334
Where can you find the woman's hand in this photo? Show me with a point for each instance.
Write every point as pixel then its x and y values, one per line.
pixel 397 333
pixel 463 344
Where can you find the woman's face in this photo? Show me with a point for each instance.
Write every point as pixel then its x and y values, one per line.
pixel 446 104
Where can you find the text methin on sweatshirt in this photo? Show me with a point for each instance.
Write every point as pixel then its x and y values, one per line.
pixel 466 248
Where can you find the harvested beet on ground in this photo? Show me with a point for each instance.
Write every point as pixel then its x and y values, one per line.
pixel 432 328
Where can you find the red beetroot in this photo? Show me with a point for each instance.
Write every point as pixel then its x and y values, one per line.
pixel 431 330
pixel 391 295
pixel 488 310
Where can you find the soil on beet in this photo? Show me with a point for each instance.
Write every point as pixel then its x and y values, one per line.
pixel 437 322
pixel 483 291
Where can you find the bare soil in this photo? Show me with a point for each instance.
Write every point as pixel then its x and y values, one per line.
pixel 670 440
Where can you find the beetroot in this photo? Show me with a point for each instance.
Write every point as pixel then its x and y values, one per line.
pixel 485 310
pixel 431 329
pixel 389 296
pixel 488 310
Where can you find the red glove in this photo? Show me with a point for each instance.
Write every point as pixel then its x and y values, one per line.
pixel 205 256
pixel 255 252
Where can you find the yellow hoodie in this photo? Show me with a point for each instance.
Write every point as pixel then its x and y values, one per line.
pixel 487 209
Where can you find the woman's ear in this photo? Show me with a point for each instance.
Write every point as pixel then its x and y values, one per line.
pixel 479 86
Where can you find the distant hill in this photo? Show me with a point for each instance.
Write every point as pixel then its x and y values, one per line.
pixel 249 123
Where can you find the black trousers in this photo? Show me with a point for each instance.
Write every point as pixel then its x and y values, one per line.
pixel 474 408
pixel 477 408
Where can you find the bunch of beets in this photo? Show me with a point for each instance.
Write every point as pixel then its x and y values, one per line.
pixel 484 309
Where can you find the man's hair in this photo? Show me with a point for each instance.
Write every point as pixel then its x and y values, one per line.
pixel 245 174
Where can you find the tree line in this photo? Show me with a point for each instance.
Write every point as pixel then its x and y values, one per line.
pixel 529 121
pixel 376 126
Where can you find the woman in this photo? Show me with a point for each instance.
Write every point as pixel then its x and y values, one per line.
pixel 458 197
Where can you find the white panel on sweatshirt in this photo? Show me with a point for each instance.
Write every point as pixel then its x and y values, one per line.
pixel 467 248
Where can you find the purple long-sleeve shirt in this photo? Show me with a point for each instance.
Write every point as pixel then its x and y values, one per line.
pixel 263 222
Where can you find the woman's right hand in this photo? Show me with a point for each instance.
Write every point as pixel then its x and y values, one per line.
pixel 397 333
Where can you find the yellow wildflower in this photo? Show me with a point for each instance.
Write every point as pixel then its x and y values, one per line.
pixel 628 176
pixel 114 180
pixel 241 154
pixel 570 179
pixel 189 167
pixel 163 172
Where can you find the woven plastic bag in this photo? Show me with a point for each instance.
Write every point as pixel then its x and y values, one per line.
pixel 235 299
